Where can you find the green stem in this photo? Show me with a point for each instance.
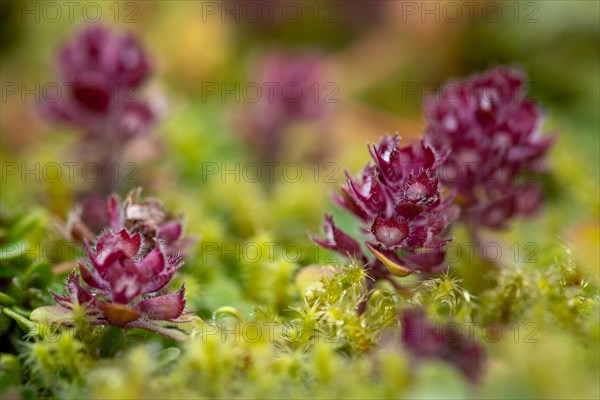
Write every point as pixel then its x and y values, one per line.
pixel 23 322
pixel 170 333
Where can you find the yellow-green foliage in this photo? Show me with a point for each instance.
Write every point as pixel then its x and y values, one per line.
pixel 322 347
pixel 549 365
pixel 558 295
pixel 445 297
pixel 266 273
pixel 210 367
pixel 58 359
pixel 316 332
pixel 335 304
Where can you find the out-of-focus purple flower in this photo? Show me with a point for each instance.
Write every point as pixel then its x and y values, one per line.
pixel 146 216
pixel 294 78
pixel 121 282
pixel 404 214
pixel 293 88
pixel 425 340
pixel 101 73
pixel 97 56
pixel 492 133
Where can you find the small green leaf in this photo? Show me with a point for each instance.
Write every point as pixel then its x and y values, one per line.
pixel 6 300
pixel 112 340
pixel 46 314
pixel 13 250
pixel 26 224
pixel 38 274
pixel 227 311
pixel 5 323
pixel 167 356
pixel 23 322
pixel 10 371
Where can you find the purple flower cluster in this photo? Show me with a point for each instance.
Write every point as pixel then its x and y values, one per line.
pixel 492 134
pixel 122 281
pixel 101 73
pixel 424 340
pixel 482 136
pixel 292 89
pixel 146 216
pixel 295 77
pixel 404 214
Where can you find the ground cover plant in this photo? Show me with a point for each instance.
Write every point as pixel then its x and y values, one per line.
pixel 222 200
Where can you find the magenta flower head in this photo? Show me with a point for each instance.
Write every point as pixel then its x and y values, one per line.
pixel 403 212
pixel 424 340
pixel 121 282
pixel 492 133
pixel 146 216
pixel 100 73
pixel 293 88
pixel 294 78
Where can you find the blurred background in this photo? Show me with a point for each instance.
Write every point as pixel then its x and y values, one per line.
pixel 377 62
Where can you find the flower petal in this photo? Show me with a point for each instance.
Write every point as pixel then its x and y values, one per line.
pixel 77 293
pixel 338 241
pixel 92 278
pixel 152 264
pixel 170 231
pixel 164 308
pixel 114 212
pixel 159 281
